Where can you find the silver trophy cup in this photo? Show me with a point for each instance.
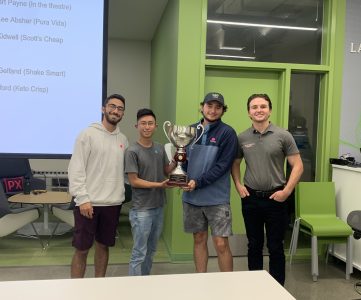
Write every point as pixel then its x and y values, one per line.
pixel 180 137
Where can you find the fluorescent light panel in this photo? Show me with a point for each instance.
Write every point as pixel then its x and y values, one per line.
pixel 232 48
pixel 230 56
pixel 262 25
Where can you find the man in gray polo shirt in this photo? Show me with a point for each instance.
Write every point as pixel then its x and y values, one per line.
pixel 264 148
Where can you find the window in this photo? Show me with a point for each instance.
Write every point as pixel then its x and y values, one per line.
pixel 303 119
pixel 265 30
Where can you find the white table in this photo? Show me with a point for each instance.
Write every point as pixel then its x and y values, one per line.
pixel 348 198
pixel 202 286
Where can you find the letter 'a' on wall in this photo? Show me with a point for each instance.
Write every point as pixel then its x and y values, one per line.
pixel 52 70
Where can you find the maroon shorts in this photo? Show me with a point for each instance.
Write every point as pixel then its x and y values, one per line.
pixel 102 227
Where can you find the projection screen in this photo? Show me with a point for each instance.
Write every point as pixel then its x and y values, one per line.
pixel 52 74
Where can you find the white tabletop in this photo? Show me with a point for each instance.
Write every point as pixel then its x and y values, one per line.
pixel 48 197
pixel 348 168
pixel 45 199
pixel 208 286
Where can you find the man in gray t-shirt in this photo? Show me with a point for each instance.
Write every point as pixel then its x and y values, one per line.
pixel 265 147
pixel 146 164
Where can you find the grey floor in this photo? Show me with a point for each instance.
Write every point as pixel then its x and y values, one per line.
pixel 330 285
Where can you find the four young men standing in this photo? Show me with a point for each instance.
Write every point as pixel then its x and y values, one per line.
pixel 97 183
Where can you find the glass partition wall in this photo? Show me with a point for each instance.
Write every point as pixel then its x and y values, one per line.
pixel 303 118
pixel 265 30
pixel 282 37
pixel 276 31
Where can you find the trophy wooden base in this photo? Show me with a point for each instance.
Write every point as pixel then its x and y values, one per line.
pixel 180 180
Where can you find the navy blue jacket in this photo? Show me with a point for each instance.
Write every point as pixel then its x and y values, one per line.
pixel 209 163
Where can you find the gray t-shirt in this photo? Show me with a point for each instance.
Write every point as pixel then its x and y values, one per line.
pixel 148 164
pixel 265 155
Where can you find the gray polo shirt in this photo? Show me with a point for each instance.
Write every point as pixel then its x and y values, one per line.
pixel 265 156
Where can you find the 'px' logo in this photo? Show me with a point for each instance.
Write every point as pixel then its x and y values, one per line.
pixel 13 184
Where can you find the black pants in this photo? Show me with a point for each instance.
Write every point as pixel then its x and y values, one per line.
pixel 260 212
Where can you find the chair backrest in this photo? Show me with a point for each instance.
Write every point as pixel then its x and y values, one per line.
pixel 72 203
pixel 354 220
pixel 13 171
pixel 13 167
pixel 4 204
pixel 128 193
pixel 12 174
pixel 315 198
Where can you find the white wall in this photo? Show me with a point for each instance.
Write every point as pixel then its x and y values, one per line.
pixel 129 75
pixel 350 122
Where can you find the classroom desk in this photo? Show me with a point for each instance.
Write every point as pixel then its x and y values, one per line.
pixel 348 198
pixel 199 286
pixel 45 199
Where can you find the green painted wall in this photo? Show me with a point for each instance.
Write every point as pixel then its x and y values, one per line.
pixel 164 90
pixel 164 54
pixel 336 64
pixel 188 97
pixel 176 77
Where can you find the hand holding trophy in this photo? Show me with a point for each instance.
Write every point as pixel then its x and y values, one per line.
pixel 180 137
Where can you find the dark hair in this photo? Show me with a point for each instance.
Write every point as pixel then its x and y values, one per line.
pixel 225 107
pixel 263 96
pixel 114 96
pixel 145 112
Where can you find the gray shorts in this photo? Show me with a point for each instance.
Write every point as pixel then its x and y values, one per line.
pixel 217 217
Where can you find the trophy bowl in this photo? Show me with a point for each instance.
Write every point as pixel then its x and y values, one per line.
pixel 180 137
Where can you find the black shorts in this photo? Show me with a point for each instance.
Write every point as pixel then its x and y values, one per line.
pixel 102 227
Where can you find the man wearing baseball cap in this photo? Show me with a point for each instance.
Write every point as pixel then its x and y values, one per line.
pixel 206 200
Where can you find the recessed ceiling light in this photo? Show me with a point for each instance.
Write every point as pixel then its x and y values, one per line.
pixel 262 25
pixel 232 48
pixel 230 56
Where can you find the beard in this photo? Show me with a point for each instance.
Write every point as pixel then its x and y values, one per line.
pixel 210 121
pixel 111 120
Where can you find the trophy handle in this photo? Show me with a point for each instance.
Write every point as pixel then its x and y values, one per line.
pixel 199 126
pixel 167 124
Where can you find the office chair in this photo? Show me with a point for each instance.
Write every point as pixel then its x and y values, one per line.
pixel 127 193
pixel 316 217
pixel 64 213
pixel 13 219
pixel 13 171
pixel 354 220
